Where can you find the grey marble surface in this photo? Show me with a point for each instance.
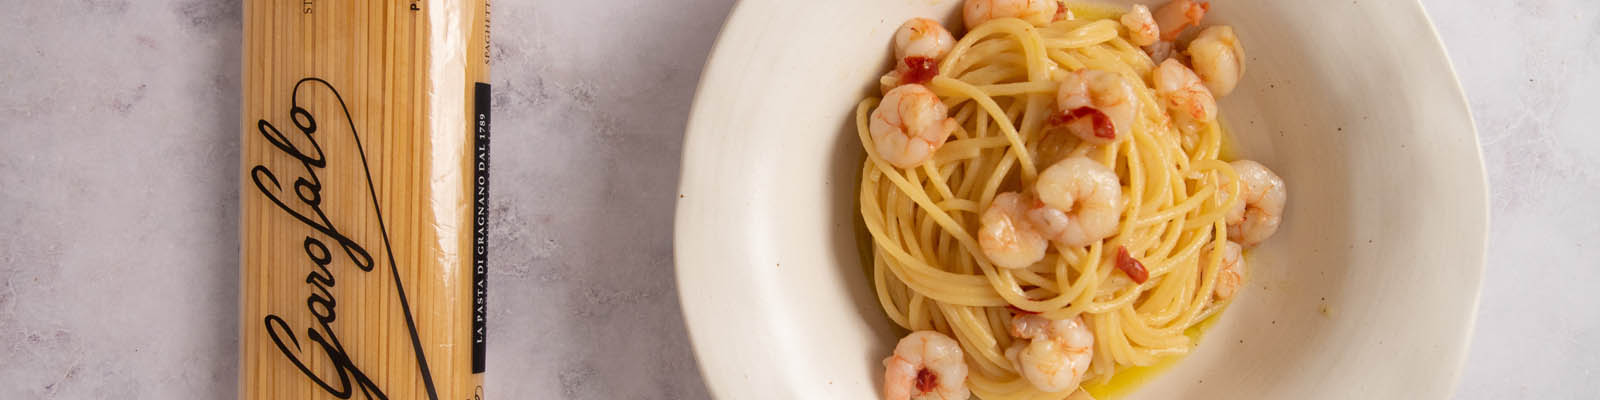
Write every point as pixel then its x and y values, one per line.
pixel 118 196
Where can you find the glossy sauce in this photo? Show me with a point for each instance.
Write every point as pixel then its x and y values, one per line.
pixel 1128 380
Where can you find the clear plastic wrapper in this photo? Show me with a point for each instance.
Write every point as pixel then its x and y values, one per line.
pixel 364 191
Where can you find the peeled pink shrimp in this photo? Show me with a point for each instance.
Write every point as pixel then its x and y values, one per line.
pixel 1095 105
pixel 1231 275
pixel 1142 27
pixel 1218 57
pixel 1005 235
pixel 1186 98
pixel 922 37
pixel 1177 15
pixel 919 44
pixel 1037 12
pixel 1080 202
pixel 1256 216
pixel 909 125
pixel 1055 354
pixel 925 365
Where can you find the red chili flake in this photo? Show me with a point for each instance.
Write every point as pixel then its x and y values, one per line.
pixel 1015 310
pixel 1131 266
pixel 926 381
pixel 1061 12
pixel 1102 123
pixel 920 70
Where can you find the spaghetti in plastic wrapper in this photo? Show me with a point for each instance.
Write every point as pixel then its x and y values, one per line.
pixel 364 198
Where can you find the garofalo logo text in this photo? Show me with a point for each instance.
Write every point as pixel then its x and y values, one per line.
pixel 330 253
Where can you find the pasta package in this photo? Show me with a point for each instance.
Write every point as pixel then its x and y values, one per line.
pixel 364 193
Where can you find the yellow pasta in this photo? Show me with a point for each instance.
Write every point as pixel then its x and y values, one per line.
pixel 364 170
pixel 999 82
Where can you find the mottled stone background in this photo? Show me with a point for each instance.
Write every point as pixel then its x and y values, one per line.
pixel 118 196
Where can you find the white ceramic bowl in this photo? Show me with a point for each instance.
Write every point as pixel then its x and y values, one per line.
pixel 1367 291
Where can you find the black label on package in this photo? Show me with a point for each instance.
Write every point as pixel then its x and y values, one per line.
pixel 480 224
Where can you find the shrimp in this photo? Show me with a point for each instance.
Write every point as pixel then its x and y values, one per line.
pixel 925 365
pixel 1256 216
pixel 1096 105
pixel 919 44
pixel 1037 12
pixel 1142 28
pixel 1231 275
pixel 1177 15
pixel 1190 103
pixel 1218 57
pixel 1080 202
pixel 909 125
pixel 922 37
pixel 1006 236
pixel 1056 353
